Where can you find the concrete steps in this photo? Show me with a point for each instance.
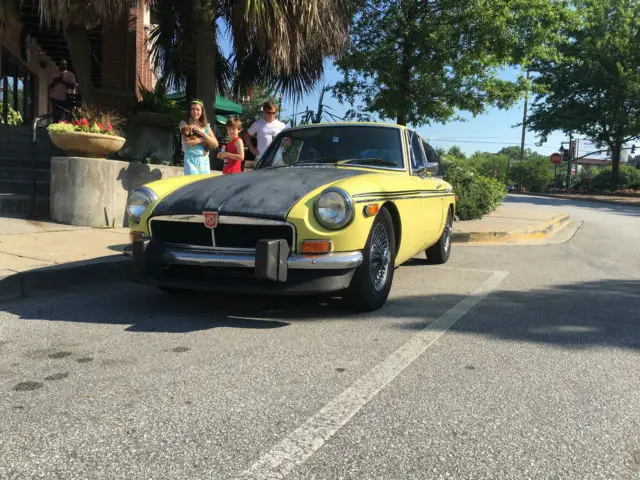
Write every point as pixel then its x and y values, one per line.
pixel 20 161
pixel 24 186
pixel 18 205
pixel 20 173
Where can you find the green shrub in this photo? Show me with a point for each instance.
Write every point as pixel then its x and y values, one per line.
pixel 627 178
pixel 535 174
pixel 477 195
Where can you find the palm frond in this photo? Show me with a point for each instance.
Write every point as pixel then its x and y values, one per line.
pixel 87 13
pixel 290 31
pixel 173 49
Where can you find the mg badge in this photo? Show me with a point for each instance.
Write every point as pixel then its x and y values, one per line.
pixel 210 219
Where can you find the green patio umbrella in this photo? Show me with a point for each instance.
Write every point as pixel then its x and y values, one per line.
pixel 224 106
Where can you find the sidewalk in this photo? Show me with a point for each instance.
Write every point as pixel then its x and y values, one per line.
pixel 37 256
pixel 40 257
pixel 630 201
pixel 509 224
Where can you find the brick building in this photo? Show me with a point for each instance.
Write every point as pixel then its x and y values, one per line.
pixel 31 53
pixel 29 57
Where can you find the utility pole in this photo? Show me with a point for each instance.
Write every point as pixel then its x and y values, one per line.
pixel 524 121
pixel 569 160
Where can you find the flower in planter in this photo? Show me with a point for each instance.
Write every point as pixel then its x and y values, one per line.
pixel 89 121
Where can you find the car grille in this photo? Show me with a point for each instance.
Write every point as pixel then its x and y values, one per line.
pixel 227 235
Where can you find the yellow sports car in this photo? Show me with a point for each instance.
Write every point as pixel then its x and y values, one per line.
pixel 329 208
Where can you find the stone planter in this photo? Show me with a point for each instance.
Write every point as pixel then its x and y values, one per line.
pixel 92 192
pixel 84 144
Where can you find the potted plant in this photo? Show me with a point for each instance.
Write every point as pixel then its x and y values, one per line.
pixel 91 133
pixel 155 108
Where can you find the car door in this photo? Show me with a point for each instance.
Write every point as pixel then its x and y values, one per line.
pixel 436 182
pixel 430 212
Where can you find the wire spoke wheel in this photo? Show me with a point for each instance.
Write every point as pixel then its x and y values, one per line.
pixel 380 257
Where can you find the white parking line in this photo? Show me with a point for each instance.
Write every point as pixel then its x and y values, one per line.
pixel 303 442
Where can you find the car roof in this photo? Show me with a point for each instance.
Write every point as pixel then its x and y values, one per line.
pixel 344 124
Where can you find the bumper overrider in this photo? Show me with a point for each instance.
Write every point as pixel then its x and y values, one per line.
pixel 270 268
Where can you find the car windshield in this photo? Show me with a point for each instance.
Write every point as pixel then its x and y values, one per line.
pixel 371 146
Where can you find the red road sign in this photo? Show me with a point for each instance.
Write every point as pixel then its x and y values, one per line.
pixel 556 158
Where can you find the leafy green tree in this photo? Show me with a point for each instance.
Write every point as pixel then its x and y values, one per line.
pixel 534 174
pixel 594 88
pixel 456 153
pixel 492 165
pixel 419 62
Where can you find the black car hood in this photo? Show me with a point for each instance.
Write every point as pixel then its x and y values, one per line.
pixel 269 193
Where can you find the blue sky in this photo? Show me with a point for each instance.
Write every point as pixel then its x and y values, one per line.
pixel 486 133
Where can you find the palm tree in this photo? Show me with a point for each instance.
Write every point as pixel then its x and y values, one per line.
pixel 279 43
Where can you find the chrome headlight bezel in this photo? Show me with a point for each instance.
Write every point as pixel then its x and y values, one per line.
pixel 329 222
pixel 138 201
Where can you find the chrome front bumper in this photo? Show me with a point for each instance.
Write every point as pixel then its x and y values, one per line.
pixel 211 257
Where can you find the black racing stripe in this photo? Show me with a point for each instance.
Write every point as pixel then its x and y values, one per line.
pixel 267 193
pixel 400 197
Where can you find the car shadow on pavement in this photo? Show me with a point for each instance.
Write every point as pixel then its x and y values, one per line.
pixel 576 315
pixel 602 313
pixel 146 309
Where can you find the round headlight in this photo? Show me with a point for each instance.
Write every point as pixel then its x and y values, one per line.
pixel 334 208
pixel 138 201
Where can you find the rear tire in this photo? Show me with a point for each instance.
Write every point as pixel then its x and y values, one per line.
pixel 371 282
pixel 439 253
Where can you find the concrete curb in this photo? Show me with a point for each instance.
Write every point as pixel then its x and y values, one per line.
pixel 95 272
pixel 575 199
pixel 539 231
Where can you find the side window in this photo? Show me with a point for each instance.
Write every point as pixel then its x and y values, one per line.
pixel 418 160
pixel 433 157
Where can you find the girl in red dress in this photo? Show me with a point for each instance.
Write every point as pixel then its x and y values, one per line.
pixel 233 155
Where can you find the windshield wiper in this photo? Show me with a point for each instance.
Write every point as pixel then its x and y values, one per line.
pixel 370 161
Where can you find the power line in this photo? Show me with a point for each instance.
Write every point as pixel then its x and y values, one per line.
pixel 480 141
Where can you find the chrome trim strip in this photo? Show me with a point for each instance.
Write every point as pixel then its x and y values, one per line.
pixel 397 192
pixel 211 258
pixel 401 197
pixel 178 218
pixel 204 249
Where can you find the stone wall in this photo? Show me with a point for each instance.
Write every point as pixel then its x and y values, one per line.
pixel 92 192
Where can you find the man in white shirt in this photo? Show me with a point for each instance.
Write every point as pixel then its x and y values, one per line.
pixel 265 130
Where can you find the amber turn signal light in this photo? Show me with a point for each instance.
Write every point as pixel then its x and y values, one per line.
pixel 315 246
pixel 371 210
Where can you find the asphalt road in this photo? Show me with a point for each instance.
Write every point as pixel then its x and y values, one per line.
pixel 509 362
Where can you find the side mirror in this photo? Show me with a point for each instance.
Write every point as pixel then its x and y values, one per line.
pixel 431 169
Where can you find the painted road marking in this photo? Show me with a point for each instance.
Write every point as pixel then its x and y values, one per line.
pixel 303 442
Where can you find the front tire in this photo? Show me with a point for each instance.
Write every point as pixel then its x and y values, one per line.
pixel 439 253
pixel 372 280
